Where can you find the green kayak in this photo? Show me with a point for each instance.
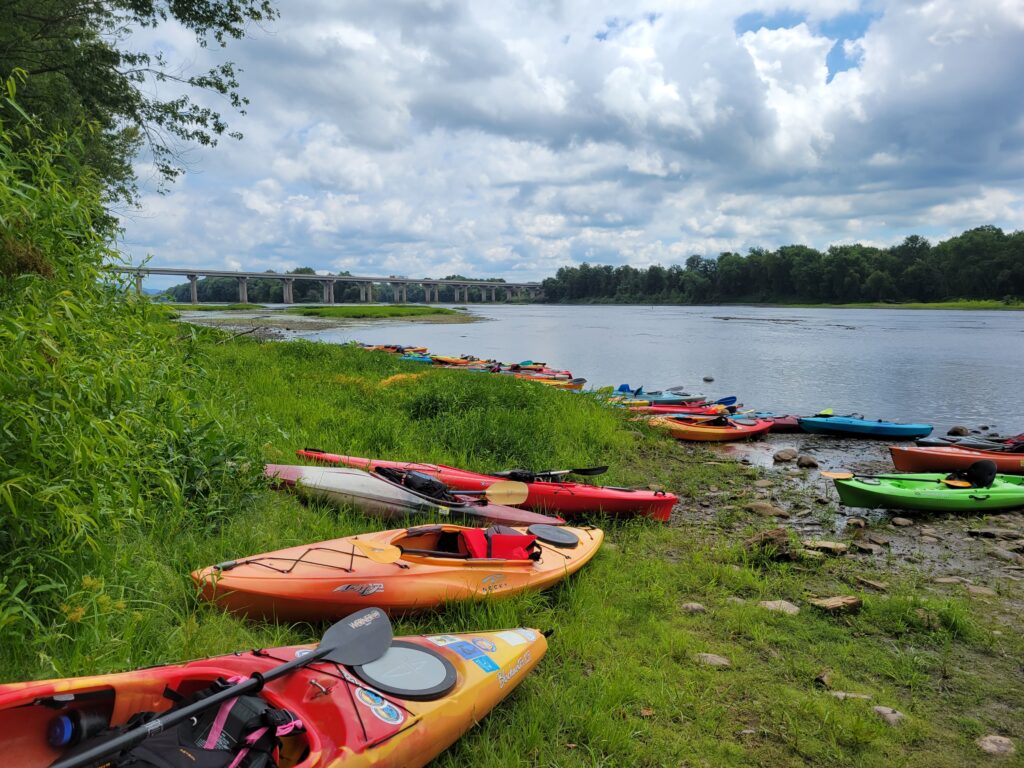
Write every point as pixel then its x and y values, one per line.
pixel 928 493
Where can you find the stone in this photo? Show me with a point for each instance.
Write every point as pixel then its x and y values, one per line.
pixel 839 604
pixel 828 547
pixel 983 427
pixel 844 695
pixel 806 461
pixel 1004 534
pixel 876 538
pixel 929 540
pixel 958 431
pixel 779 606
pixel 709 379
pixel 856 522
pixel 889 715
pixel 901 522
pixel 774 542
pixel 693 608
pixel 994 744
pixel 980 591
pixel 867 548
pixel 784 455
pixel 881 586
pixel 811 554
pixel 766 509
pixel 1005 554
pixel 713 660
pixel 747 732
pixel 763 483
pixel 950 580
pixel 735 600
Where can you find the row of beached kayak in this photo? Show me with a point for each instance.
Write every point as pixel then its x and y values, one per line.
pixel 360 697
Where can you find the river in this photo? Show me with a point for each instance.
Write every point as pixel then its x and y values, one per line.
pixel 938 366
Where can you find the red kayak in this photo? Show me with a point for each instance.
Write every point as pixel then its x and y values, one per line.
pixel 397 711
pixel 690 410
pixel 566 499
pixel 915 458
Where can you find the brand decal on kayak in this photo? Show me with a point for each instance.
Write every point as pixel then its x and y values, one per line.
pixel 492 583
pixel 505 677
pixel 443 640
pixel 365 590
pixel 381 708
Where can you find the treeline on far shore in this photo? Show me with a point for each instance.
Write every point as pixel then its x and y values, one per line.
pixel 981 263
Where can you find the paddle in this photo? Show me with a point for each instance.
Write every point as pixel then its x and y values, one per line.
pixel 550 473
pixel 826 412
pixel 850 475
pixel 379 553
pixel 730 400
pixel 508 492
pixel 359 638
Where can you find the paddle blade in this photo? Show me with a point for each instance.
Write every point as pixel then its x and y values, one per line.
pixel 955 483
pixel 838 475
pixel 588 471
pixel 359 638
pixel 379 553
pixel 826 412
pixel 507 492
pixel 730 400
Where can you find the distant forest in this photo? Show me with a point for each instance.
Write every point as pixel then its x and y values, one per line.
pixel 982 263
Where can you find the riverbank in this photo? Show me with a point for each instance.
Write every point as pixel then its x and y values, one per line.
pixel 266 320
pixel 623 683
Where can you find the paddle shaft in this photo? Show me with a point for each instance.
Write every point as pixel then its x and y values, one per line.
pixel 852 476
pixel 174 717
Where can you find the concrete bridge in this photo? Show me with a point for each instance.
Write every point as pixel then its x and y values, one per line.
pixel 393 288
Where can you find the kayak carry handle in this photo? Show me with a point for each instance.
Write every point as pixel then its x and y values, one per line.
pixel 979 498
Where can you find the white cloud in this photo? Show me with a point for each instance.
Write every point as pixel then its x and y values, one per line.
pixel 512 138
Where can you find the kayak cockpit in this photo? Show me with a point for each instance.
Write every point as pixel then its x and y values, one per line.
pixel 448 542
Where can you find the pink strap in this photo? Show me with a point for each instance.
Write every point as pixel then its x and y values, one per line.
pixel 294 725
pixel 218 724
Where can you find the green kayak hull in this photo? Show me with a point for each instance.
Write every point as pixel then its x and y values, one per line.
pixel 926 492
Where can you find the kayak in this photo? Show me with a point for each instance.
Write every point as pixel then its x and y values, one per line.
pixel 460 361
pixel 417 358
pixel 353 717
pixel 926 492
pixel 683 410
pixel 375 495
pixel 850 426
pixel 974 443
pixel 436 564
pixel 779 423
pixel 574 384
pixel 950 459
pixel 718 430
pixel 569 499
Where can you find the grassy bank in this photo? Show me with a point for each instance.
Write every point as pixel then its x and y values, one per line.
pixel 375 311
pixel 620 684
pixel 213 307
pixel 969 304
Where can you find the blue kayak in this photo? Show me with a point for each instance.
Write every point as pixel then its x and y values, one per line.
pixel 853 427
pixel 417 358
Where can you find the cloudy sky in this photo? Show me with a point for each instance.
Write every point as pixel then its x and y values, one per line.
pixel 425 138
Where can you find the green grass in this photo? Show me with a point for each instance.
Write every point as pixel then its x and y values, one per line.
pixel 971 304
pixel 213 307
pixel 619 685
pixel 360 312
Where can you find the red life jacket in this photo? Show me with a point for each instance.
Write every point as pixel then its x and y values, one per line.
pixel 499 545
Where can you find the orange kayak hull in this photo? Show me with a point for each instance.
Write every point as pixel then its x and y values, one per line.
pixel 698 432
pixel 331 579
pixel 941 459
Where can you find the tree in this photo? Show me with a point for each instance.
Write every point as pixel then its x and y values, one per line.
pixel 81 69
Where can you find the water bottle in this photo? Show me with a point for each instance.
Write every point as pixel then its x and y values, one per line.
pixel 74 726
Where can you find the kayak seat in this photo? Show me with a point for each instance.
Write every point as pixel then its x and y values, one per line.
pixel 979 474
pixel 501 543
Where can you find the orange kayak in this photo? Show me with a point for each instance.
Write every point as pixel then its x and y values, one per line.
pixel 436 564
pixel 712 431
pixel 351 717
pixel 942 459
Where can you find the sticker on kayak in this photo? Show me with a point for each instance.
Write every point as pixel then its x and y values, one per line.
pixel 362 589
pixel 484 644
pixel 512 638
pixel 381 708
pixel 486 664
pixel 465 650
pixel 529 634
pixel 302 652
pixel 443 640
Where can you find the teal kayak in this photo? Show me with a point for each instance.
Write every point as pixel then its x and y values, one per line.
pixel 927 493
pixel 856 427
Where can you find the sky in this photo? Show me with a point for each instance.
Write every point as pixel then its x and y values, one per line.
pixel 507 139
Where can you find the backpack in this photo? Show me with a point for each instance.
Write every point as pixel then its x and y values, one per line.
pixel 240 733
pixel 979 474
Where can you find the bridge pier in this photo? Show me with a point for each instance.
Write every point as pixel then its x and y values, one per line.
pixel 287 295
pixel 328 291
pixel 138 283
pixel 243 290
pixel 494 294
pixel 194 288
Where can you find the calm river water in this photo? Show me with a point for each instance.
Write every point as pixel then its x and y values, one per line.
pixel 942 367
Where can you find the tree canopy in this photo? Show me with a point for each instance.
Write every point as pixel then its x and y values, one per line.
pixel 83 69
pixel 981 263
